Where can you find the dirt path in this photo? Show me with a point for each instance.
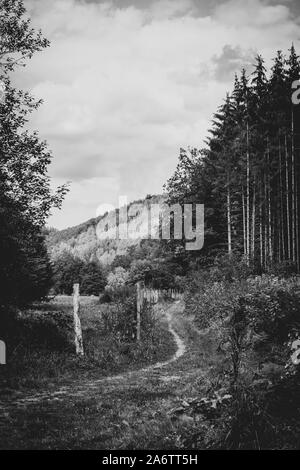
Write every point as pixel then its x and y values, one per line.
pixel 130 409
pixel 73 390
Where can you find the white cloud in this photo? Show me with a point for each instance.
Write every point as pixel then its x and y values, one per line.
pixel 83 201
pixel 125 88
pixel 252 13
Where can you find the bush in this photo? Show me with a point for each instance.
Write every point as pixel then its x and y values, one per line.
pixel 153 273
pixel 41 350
pixel 257 321
pixel 92 279
pixel 25 273
pixel 249 421
pixel 214 302
pixel 105 298
pixel 230 268
pixel 116 282
pixel 272 305
pixel 284 269
pixel 120 319
pixel 69 269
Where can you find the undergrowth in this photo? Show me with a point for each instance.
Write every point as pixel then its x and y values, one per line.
pixel 256 319
pixel 40 343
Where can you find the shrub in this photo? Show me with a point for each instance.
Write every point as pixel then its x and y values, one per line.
pixel 69 269
pixel 116 282
pixel 120 319
pixel 272 305
pixel 248 421
pixel 230 268
pixel 258 323
pixel 105 298
pixel 154 273
pixel 212 303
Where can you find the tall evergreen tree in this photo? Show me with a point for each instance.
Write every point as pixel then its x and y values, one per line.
pixel 252 167
pixel 25 195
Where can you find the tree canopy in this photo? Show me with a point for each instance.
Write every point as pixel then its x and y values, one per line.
pixel 248 175
pixel 26 198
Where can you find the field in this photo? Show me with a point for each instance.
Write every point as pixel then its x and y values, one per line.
pixel 41 352
pixel 154 406
pixel 211 372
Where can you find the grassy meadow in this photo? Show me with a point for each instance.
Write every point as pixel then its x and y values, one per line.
pixel 41 352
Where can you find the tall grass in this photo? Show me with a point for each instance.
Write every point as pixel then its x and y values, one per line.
pixel 40 342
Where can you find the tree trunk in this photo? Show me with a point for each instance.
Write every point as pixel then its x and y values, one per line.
pixel 261 236
pixel 287 199
pixel 281 210
pixel 244 223
pixel 293 194
pixel 253 221
pixel 248 197
pixel 139 306
pixel 229 229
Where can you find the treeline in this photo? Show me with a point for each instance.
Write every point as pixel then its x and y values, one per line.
pixel 25 195
pixel 82 240
pixel 248 176
pixel 147 263
pixel 68 269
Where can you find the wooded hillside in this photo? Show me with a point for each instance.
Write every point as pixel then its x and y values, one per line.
pixel 82 241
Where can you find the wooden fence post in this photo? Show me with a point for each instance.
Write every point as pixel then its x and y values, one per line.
pixel 139 306
pixel 77 324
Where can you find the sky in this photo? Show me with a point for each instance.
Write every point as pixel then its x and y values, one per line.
pixel 127 83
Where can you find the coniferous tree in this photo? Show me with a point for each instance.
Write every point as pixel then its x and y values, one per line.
pixel 252 167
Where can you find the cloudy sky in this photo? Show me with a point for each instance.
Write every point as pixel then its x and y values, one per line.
pixel 126 83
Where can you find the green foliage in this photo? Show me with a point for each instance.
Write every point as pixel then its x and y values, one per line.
pixel 237 330
pixel 68 270
pixel 257 320
pixel 41 342
pixel 248 176
pixel 210 301
pixel 92 278
pixel 25 194
pixel 83 242
pixel 117 282
pixel 273 306
pixel 194 181
pixel 249 422
pixel 120 318
pixel 283 269
pixel 105 298
pixel 25 272
pixel 123 261
pixel 154 273
pixel 265 418
pixel 229 268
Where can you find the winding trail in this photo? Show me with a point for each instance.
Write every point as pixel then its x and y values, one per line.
pixel 76 390
pixel 128 410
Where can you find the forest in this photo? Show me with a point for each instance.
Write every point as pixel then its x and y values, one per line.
pixel 218 369
pixel 26 197
pixel 248 174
